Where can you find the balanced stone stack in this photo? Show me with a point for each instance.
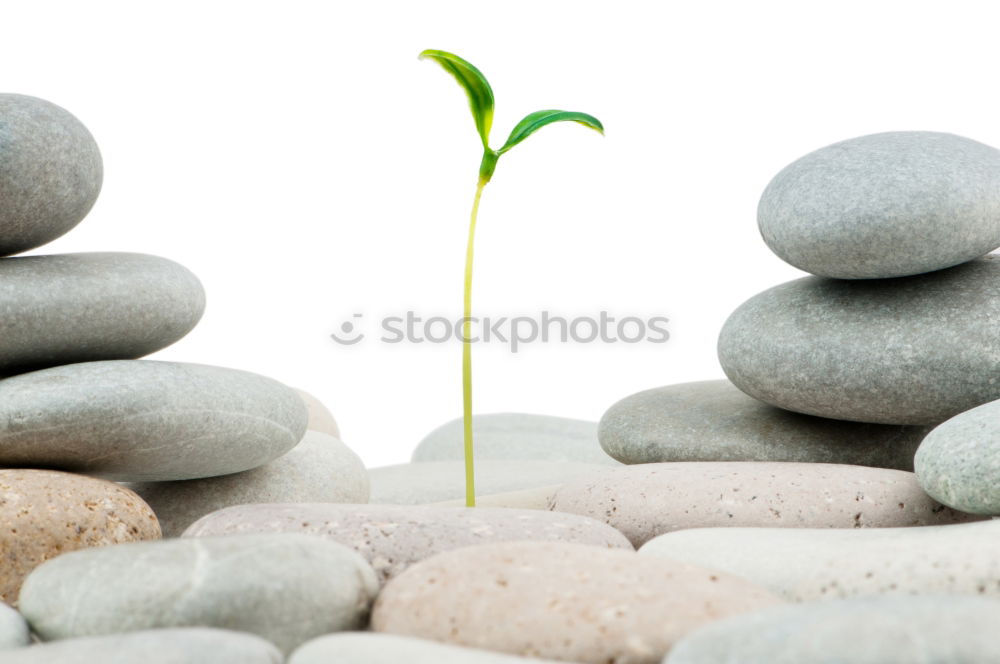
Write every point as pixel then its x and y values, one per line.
pixel 79 412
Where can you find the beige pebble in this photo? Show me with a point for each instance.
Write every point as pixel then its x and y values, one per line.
pixel 320 417
pixel 527 499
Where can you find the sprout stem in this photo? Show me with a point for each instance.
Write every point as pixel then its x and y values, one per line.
pixel 470 481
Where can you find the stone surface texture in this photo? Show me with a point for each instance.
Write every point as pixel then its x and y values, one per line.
pixel 320 469
pixel 13 628
pixel 320 417
pixel 806 564
pixel 559 601
pixel 50 172
pixel 525 499
pixel 913 350
pixel 885 205
pixel 287 589
pixel 392 538
pixel 143 420
pixel 362 648
pixel 67 308
pixel 44 514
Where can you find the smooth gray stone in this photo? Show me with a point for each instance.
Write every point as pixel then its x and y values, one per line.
pixel 885 205
pixel 140 420
pixel 914 350
pixel 957 463
pixel 516 437
pixel 70 308
pixel 714 421
pixel 320 469
pixel 802 564
pixel 285 588
pixel 936 629
pixel 13 628
pixel 50 172
pixel 156 646
pixel 367 648
pixel 438 481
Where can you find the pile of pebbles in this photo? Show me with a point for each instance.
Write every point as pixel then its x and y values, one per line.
pixel 774 517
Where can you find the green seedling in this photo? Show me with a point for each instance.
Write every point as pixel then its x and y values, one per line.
pixel 481 102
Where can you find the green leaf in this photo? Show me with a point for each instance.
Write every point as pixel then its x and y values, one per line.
pixel 535 121
pixel 475 85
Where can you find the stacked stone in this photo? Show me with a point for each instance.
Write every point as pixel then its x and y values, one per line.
pixel 79 413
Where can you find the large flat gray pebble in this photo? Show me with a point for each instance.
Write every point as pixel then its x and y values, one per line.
pixel 50 172
pixel 13 628
pixel 142 420
pixel 320 469
pixel 913 350
pixel 363 648
pixel 713 420
pixel 805 564
pixel 958 462
pixel 285 588
pixel 158 646
pixel 70 308
pixel 391 537
pixel 438 481
pixel 885 205
pixel 952 629
pixel 515 437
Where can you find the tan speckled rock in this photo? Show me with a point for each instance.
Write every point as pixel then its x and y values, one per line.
pixel 647 500
pixel 320 417
pixel 44 513
pixel 803 564
pixel 561 601
pixel 393 538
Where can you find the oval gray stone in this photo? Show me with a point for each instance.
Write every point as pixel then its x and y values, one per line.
pixel 50 172
pixel 957 462
pixel 70 308
pixel 957 629
pixel 515 437
pixel 140 420
pixel 285 588
pixel 438 481
pixel 804 564
pixel 712 420
pixel 650 499
pixel 366 648
pixel 13 628
pixel 391 537
pixel 914 350
pixel 320 469
pixel 885 205
pixel 155 646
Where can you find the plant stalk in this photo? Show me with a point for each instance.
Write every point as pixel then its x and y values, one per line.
pixel 470 479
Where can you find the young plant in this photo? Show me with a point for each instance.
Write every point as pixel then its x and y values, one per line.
pixel 481 102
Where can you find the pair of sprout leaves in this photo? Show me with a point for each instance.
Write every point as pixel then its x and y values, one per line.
pixel 481 102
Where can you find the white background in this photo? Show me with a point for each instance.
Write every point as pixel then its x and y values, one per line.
pixel 301 160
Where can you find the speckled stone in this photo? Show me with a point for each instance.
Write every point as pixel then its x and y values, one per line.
pixel 285 588
pixel 44 514
pixel 561 601
pixel 914 350
pixel 525 499
pixel 50 172
pixel 363 648
pixel 392 538
pixel 957 629
pixel 320 417
pixel 13 628
pixel 647 500
pixel 516 437
pixel 142 420
pixel 437 481
pixel 155 646
pixel 712 420
pixel 959 461
pixel 319 469
pixel 885 205
pixel 70 308
pixel 805 564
